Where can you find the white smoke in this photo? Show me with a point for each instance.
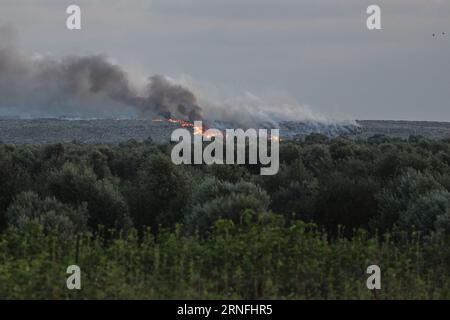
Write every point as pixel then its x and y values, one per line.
pixel 93 86
pixel 247 109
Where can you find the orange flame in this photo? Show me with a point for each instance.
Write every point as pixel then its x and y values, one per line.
pixel 187 124
pixel 183 123
pixel 203 130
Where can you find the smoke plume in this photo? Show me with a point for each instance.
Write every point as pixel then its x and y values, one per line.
pixel 83 86
pixel 92 86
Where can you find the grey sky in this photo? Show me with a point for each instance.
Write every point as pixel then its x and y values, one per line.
pixel 318 52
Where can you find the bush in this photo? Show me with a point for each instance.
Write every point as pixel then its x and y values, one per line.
pixel 412 202
pixel 213 231
pixel 422 212
pixel 51 214
pixel 77 184
pixel 214 199
pixel 345 201
pixel 260 257
pixel 13 180
pixel 160 193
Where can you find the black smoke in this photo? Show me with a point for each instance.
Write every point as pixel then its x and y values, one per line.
pixel 84 85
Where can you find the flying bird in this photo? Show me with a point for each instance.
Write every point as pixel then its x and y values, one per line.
pixel 435 35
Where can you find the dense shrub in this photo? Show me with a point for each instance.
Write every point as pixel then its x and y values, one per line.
pixel 214 199
pixel 13 179
pixel 78 184
pixel 413 201
pixel 260 257
pixel 160 192
pixel 341 205
pixel 51 214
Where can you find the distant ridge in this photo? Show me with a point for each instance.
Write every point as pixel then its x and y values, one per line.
pixel 43 131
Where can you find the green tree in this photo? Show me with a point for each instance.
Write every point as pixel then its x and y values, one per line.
pixel 345 201
pixel 160 192
pixel 13 179
pixel 51 214
pixel 214 199
pixel 77 184
pixel 413 200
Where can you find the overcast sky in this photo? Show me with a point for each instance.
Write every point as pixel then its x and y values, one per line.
pixel 318 52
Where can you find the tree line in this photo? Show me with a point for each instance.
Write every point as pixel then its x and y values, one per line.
pixel 143 227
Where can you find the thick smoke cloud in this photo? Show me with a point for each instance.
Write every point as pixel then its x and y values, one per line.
pixel 83 86
pixel 94 87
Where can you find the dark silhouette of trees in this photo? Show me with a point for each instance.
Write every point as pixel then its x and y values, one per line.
pixel 224 230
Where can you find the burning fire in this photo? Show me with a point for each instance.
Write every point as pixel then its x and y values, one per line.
pixel 183 123
pixel 186 124
pixel 274 138
pixel 201 130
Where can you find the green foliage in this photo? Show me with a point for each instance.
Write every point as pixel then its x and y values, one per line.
pixel 51 214
pixel 260 257
pixel 214 199
pixel 78 184
pixel 13 179
pixel 209 231
pixel 413 201
pixel 160 192
pixel 345 201
pixel 317 159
